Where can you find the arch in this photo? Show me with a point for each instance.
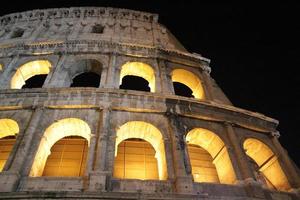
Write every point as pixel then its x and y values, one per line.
pixel 56 131
pixel 139 69
pixel 28 70
pixel 86 79
pixel 149 133
pixel 68 157
pixel 189 79
pixel 85 66
pixel 212 143
pixel 267 163
pixel 8 130
pixel 135 160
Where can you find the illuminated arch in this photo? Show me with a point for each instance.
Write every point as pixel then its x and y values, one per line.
pixel 8 127
pixel 218 151
pixel 149 133
pixel 29 70
pixel 139 69
pixel 268 164
pixel 189 79
pixel 56 131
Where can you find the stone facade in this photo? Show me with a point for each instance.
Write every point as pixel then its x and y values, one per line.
pixel 64 37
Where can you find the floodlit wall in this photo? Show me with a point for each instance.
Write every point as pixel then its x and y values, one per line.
pixel 55 132
pixel 268 163
pixel 149 133
pixel 29 70
pixel 217 149
pixel 139 69
pixel 189 79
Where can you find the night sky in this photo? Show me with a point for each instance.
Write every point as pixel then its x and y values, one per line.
pixel 254 51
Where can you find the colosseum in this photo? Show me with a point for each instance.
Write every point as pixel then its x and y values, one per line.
pixel 70 128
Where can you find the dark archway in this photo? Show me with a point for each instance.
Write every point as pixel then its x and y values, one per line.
pixel 182 90
pixel 87 79
pixel 130 82
pixel 36 81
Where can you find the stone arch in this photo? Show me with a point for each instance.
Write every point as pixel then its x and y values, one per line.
pixel 56 131
pixel 212 143
pixel 268 163
pixel 83 66
pixel 139 69
pixel 8 129
pixel 189 79
pixel 148 132
pixel 28 70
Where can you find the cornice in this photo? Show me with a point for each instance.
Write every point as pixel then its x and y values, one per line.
pixel 76 13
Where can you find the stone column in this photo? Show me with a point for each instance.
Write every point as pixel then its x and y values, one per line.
pixel 8 73
pixel 100 173
pixel 206 83
pixel 56 78
pixel 240 158
pixel 182 168
pixel 288 167
pixel 166 80
pixel 112 78
pixel 243 171
pixel 9 180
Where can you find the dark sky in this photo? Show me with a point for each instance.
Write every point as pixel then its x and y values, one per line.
pixel 254 51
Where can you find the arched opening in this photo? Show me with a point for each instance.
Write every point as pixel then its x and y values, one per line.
pixel 87 79
pixel 204 170
pixel 36 81
pixel 135 83
pixel 55 132
pixel 135 160
pixel 267 163
pixel 218 160
pixel 67 158
pixel 29 70
pixel 8 131
pixel 182 90
pixel 137 69
pixel 190 80
pixel 86 73
pixel 148 135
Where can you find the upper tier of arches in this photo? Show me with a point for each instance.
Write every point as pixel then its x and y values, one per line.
pixel 87 72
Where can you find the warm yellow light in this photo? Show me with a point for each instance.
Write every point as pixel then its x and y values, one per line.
pixel 1 67
pixel 189 79
pixel 136 160
pixel 216 148
pixel 267 162
pixel 56 131
pixel 139 69
pixel 29 70
pixel 149 133
pixel 8 127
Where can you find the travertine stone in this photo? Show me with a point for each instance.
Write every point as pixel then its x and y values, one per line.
pixel 67 38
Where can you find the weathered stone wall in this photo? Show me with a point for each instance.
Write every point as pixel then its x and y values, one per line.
pixel 62 36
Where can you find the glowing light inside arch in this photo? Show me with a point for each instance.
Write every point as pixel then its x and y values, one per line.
pixel 56 131
pixel 1 67
pixel 8 127
pixel 139 69
pixel 149 133
pixel 29 70
pixel 189 79
pixel 268 164
pixel 216 148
